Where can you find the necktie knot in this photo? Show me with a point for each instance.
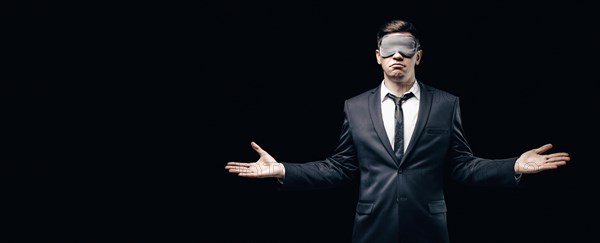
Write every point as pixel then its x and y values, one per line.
pixel 398 100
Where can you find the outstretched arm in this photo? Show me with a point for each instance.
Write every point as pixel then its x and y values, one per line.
pixel 534 161
pixel 266 166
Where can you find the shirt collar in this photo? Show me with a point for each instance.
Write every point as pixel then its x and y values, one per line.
pixel 415 89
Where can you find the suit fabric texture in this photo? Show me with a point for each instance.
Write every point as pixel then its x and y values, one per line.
pixel 401 201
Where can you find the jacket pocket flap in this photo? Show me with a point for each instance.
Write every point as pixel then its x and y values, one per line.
pixel 437 206
pixel 436 131
pixel 364 208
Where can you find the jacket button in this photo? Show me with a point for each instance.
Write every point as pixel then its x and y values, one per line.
pixel 400 171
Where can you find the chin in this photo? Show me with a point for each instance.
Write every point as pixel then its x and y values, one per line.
pixel 397 76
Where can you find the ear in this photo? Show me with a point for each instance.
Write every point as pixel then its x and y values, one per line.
pixel 378 57
pixel 419 54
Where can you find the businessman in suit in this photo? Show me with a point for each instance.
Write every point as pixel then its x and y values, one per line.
pixel 400 139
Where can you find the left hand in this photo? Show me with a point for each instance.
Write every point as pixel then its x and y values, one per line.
pixel 533 161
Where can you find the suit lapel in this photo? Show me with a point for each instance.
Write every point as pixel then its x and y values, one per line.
pixel 424 110
pixel 375 112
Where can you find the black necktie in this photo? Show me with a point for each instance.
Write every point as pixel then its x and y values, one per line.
pixel 399 131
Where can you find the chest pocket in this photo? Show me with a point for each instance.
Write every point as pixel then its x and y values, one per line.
pixel 438 206
pixel 364 208
pixel 436 131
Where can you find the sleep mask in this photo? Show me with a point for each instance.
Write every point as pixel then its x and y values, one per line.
pixel 406 45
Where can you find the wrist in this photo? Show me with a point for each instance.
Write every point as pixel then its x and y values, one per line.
pixel 518 168
pixel 278 170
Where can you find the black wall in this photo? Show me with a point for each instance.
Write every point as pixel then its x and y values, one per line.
pixel 523 71
pixel 140 106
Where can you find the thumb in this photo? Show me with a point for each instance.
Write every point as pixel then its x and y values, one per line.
pixel 543 148
pixel 258 149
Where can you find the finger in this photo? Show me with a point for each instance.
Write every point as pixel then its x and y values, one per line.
pixel 552 166
pixel 547 167
pixel 240 170
pixel 559 163
pixel 561 159
pixel 543 148
pixel 562 155
pixel 248 174
pixel 238 164
pixel 234 170
pixel 236 167
pixel 557 159
pixel 257 148
pixel 230 167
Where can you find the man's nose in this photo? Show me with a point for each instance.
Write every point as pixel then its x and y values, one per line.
pixel 397 55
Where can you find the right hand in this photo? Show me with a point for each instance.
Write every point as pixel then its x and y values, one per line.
pixel 265 166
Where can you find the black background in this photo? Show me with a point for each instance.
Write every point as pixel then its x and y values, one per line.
pixel 524 72
pixel 121 118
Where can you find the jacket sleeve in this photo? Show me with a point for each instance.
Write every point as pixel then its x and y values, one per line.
pixel 336 170
pixel 468 169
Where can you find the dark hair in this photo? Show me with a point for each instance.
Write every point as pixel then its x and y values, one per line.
pixel 395 26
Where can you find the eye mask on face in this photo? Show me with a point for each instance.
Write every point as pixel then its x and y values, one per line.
pixel 404 44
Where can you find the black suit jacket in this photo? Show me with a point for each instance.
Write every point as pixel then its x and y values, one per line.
pixel 401 201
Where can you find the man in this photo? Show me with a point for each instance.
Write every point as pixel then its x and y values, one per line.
pixel 401 139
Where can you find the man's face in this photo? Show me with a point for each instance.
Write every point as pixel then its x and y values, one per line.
pixel 398 54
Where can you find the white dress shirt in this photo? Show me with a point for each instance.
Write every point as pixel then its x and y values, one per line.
pixel 410 110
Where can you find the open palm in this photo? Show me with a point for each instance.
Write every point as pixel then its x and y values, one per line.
pixel 534 161
pixel 265 166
